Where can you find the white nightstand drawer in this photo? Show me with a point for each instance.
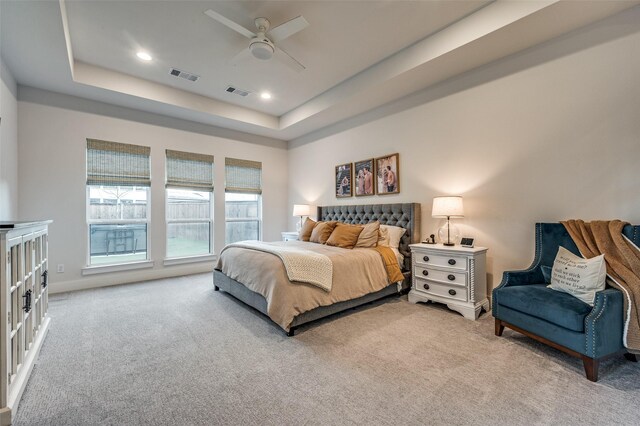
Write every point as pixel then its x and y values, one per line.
pixel 454 262
pixel 443 290
pixel 447 277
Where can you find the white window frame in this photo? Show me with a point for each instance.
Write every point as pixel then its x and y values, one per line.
pixel 259 219
pixel 109 267
pixel 206 256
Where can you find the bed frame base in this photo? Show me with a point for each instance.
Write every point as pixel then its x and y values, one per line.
pixel 258 302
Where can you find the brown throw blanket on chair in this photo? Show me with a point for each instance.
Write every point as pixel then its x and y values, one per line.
pixel 623 266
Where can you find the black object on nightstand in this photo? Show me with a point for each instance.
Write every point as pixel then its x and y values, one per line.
pixel 430 240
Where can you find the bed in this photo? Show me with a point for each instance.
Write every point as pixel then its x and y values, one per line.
pixel 405 215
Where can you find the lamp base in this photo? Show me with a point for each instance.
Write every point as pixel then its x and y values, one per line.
pixel 449 236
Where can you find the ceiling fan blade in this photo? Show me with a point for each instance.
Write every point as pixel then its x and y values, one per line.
pixel 229 23
pixel 287 29
pixel 288 60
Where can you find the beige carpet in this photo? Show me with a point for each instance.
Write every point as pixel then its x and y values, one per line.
pixel 174 352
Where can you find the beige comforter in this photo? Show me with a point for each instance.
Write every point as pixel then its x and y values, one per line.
pixel 301 265
pixel 355 273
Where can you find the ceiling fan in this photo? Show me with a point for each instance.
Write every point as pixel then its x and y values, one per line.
pixel 262 43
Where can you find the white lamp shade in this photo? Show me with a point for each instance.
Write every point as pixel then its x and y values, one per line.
pixel 447 207
pixel 301 210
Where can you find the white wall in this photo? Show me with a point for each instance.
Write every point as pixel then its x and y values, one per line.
pixel 8 145
pixel 549 134
pixel 52 152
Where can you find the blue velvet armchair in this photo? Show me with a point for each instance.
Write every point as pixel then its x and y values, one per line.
pixel 522 302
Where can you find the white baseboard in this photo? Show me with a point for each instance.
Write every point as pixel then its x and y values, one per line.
pixel 126 277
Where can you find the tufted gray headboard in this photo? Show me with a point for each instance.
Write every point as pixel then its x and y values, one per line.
pixel 404 215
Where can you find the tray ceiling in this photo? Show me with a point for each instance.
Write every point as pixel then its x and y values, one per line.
pixel 359 54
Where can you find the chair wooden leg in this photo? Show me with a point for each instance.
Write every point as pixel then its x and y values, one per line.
pixel 631 357
pixel 499 327
pixel 591 368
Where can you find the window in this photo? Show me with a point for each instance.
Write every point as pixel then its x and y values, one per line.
pixel 243 200
pixel 118 180
pixel 189 190
pixel 243 215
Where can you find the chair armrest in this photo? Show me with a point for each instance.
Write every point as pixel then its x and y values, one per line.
pixel 532 275
pixel 605 324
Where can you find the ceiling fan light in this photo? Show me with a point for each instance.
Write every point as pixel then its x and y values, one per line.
pixel 261 50
pixel 144 56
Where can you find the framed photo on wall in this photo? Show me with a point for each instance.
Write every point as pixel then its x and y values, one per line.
pixel 364 180
pixel 343 180
pixel 388 174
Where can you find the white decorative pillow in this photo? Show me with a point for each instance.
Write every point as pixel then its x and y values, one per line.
pixel 579 277
pixel 391 235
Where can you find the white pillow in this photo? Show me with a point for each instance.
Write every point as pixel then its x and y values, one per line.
pixel 579 277
pixel 390 235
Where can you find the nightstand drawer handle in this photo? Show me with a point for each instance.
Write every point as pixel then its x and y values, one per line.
pixel 452 292
pixel 426 286
pixel 426 258
pixel 425 272
pixel 452 261
pixel 451 277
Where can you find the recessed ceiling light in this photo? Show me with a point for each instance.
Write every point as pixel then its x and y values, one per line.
pixel 144 56
pixel 265 95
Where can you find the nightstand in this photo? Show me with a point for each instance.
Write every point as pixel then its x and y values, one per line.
pixel 289 236
pixel 455 276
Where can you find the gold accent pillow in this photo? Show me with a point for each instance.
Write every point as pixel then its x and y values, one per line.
pixel 345 235
pixel 369 236
pixel 322 231
pixel 307 228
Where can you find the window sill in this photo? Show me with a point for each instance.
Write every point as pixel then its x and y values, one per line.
pixel 190 259
pixel 104 269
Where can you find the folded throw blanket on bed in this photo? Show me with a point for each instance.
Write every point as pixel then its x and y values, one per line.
pixel 390 264
pixel 301 265
pixel 623 266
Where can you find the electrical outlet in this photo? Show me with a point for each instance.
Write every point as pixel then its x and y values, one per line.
pixel 60 268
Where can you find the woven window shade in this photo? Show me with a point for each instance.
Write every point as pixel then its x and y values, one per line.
pixel 117 164
pixel 243 176
pixel 189 170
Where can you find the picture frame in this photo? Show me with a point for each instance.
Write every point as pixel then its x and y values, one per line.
pixel 344 180
pixel 388 174
pixel 364 178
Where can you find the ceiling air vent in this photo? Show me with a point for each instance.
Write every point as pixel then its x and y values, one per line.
pixel 237 91
pixel 182 74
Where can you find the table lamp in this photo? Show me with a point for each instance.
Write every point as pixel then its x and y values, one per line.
pixel 448 207
pixel 301 210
